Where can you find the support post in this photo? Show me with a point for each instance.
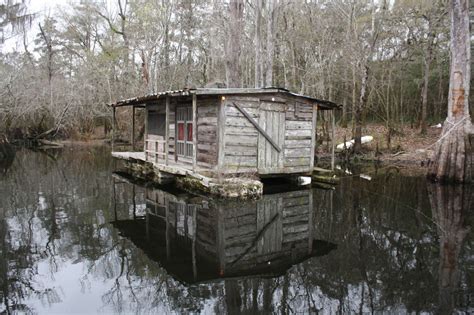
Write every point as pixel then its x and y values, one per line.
pixel 313 135
pixel 145 136
pixel 113 128
pixel 221 135
pixel 194 132
pixel 333 126
pixel 167 128
pixel 133 128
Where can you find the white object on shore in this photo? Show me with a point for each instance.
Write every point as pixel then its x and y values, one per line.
pixel 350 143
pixel 304 180
pixel 366 177
pixel 437 126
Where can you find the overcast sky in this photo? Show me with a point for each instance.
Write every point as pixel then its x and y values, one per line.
pixel 41 8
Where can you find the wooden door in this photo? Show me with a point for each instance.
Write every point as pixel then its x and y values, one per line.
pixel 272 121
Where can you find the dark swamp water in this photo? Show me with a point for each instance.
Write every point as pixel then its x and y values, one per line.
pixel 74 237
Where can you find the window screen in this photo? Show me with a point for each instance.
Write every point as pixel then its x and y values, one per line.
pixel 156 123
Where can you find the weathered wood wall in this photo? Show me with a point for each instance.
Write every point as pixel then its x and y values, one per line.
pixel 207 110
pixel 288 121
pixel 229 142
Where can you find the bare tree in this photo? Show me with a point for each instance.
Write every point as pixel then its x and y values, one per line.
pixel 233 48
pixel 453 159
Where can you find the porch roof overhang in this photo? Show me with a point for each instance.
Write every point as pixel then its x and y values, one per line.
pixel 141 101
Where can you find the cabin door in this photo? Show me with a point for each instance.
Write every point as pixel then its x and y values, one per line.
pixel 184 132
pixel 272 121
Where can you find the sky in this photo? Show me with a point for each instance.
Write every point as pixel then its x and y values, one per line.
pixel 41 8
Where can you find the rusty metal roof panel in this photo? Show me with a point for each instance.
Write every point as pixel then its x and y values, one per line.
pixel 135 101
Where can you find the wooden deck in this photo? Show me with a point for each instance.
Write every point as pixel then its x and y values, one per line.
pixel 172 168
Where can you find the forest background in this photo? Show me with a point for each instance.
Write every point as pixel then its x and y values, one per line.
pixel 384 61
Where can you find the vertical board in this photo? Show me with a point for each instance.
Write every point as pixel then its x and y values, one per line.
pixel 273 122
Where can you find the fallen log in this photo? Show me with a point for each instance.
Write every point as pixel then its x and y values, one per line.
pixel 332 180
pixel 48 143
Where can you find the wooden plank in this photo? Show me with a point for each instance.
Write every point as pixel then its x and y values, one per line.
pixel 242 140
pixel 282 125
pixel 167 128
pixel 297 162
pixel 194 132
pixel 235 150
pixel 273 106
pixel 275 135
pixel 294 144
pixel 298 133
pixel 238 122
pixel 230 130
pixel 207 121
pixel 203 129
pixel 299 152
pixel 241 161
pixel 313 134
pixel 232 111
pixel 298 124
pixel 208 138
pixel 258 127
pixel 221 135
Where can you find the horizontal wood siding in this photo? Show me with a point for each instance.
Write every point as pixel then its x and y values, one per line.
pixel 241 137
pixel 299 129
pixel 207 110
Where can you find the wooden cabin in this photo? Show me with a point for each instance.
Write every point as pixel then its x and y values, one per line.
pixel 265 132
pixel 199 239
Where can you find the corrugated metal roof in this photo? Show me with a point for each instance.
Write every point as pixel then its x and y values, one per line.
pixel 219 91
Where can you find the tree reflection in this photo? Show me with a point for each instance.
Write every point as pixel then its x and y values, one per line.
pixel 449 204
pixel 398 251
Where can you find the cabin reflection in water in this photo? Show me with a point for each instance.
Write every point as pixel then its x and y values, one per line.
pixel 198 239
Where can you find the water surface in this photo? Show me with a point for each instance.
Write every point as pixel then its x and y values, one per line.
pixel 75 237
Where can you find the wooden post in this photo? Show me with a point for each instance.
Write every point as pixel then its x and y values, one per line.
pixel 133 128
pixel 145 136
pixel 313 136
pixel 167 129
pixel 194 132
pixel 221 135
pixel 333 126
pixel 113 128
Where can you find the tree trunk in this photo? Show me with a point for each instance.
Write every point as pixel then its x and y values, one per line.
pixel 258 45
pixel 270 47
pixel 233 47
pixel 453 157
pixel 426 78
pixel 358 110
